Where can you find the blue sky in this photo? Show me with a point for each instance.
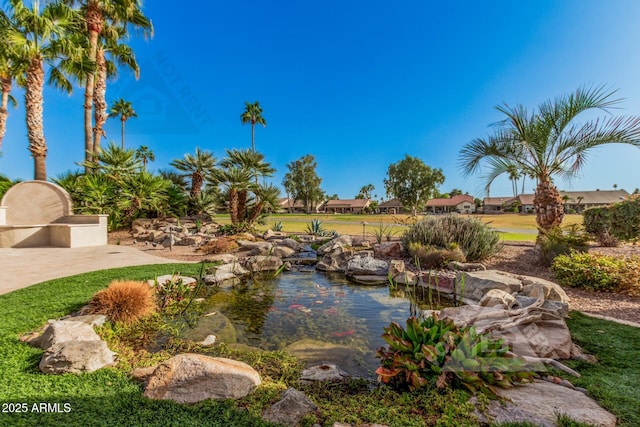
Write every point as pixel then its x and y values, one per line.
pixel 358 84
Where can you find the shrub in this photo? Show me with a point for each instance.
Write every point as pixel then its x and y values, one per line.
pixel 620 221
pixel 219 246
pixel 438 351
pixel 430 257
pixel 171 293
pixel 124 301
pixel 561 240
pixel 476 239
pixel 598 272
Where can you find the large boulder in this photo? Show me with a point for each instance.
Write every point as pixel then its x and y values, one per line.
pixel 406 278
pixel 76 357
pixel 336 259
pixel 498 298
pixel 259 263
pixel 190 378
pixel 283 251
pixel 534 286
pixel 541 402
pixel 60 331
pixel 290 409
pixel 367 266
pixel 291 243
pixel 556 307
pixel 370 279
pixel 334 243
pixel 475 284
pixel 536 336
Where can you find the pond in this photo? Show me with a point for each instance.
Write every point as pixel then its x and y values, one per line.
pixel 318 317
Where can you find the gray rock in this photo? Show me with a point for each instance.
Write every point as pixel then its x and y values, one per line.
pixel 224 258
pixel 168 278
pixel 533 286
pixel 89 319
pixel 233 268
pixel 344 240
pixel 324 372
pixel 190 378
pixel 291 243
pixel 541 401
pixel 76 357
pixel 260 263
pixel 336 259
pixel 221 278
pixel 209 341
pixel 396 266
pixel 474 285
pixel 498 298
pixel 189 241
pixel 556 307
pixel 290 409
pixel 283 251
pixel 465 266
pixel 60 331
pixel 365 279
pixel 367 266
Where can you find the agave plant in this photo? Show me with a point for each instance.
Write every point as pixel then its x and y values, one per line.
pixel 315 228
pixel 437 350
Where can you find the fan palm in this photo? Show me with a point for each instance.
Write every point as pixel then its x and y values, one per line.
pixel 38 36
pixel 253 115
pixel 115 162
pixel 549 142
pixel 198 167
pixel 9 67
pixel 125 111
pixel 145 155
pixel 237 183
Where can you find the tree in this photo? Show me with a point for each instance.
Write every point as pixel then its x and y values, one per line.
pixel 97 15
pixel 303 183
pixel 365 192
pixel 9 67
pixel 197 168
pixel 549 142
pixel 412 182
pixel 39 36
pixel 252 115
pixel 125 110
pixel 455 192
pixel 145 155
pixel 514 176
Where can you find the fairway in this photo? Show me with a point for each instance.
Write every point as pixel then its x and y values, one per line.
pixel 514 226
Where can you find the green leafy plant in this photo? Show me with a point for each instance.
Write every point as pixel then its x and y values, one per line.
pixel 476 239
pixel 315 228
pixel 432 257
pixel 561 240
pixel 434 350
pixel 598 272
pixel 384 231
pixel 171 293
pixel 231 229
pixel 277 226
pixel 620 221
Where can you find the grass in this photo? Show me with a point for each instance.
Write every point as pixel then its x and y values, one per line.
pixel 615 381
pixel 110 397
pixel 352 224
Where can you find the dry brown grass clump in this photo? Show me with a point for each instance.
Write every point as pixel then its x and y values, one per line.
pixel 220 246
pixel 124 301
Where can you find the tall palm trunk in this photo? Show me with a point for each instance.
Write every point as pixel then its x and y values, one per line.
pixel 233 205
pixel 33 106
pixel 4 112
pixel 255 212
pixel 196 185
pixel 99 100
pixel 253 136
pixel 123 120
pixel 548 204
pixel 95 23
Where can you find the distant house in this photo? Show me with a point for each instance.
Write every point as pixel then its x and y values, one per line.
pixel 499 204
pixel 393 206
pixel 576 201
pixel 462 203
pixel 290 206
pixel 353 206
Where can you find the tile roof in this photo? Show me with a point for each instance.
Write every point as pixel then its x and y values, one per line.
pixel 453 201
pixel 347 203
pixel 393 203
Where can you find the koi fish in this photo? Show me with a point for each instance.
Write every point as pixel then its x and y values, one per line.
pixel 344 334
pixel 294 306
pixel 332 310
pixel 273 308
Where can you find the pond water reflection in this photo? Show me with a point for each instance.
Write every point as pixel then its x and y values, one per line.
pixel 316 316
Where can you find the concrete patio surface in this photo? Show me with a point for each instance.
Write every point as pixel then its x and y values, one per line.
pixel 24 267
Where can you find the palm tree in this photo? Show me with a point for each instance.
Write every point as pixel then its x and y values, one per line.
pixel 37 37
pixel 514 176
pixel 145 155
pixel 198 168
pixel 237 182
pixel 252 114
pixel 366 190
pixel 125 110
pixel 9 67
pixel 549 142
pixel 97 14
pixel 111 54
pixel 115 162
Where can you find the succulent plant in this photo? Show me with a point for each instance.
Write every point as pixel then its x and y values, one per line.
pixel 437 350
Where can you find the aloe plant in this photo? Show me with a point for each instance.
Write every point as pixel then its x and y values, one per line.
pixel 437 350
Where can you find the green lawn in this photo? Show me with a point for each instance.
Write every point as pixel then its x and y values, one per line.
pixel 110 398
